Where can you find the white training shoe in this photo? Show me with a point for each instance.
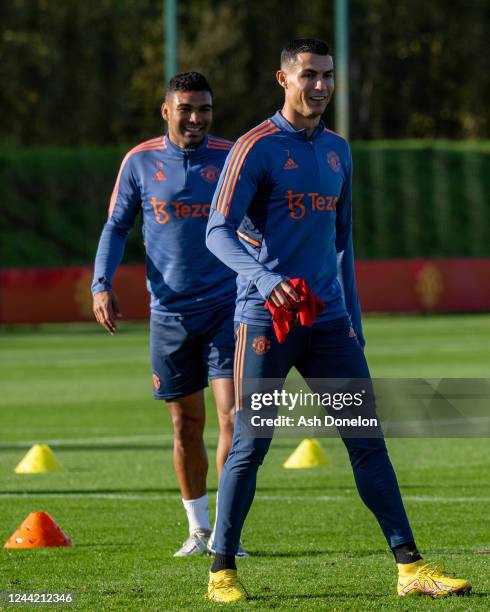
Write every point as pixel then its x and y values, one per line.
pixel 240 553
pixel 196 544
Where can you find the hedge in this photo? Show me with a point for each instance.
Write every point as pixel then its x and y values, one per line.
pixel 411 199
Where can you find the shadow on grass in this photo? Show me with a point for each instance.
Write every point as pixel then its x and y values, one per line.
pixel 347 596
pixel 327 596
pixel 94 447
pixel 109 545
pixel 288 488
pixel 287 554
pixel 170 490
pixel 70 329
pixel 307 552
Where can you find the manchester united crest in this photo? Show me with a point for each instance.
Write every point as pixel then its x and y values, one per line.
pixel 261 345
pixel 210 174
pixel 334 161
pixel 159 174
pixel 156 382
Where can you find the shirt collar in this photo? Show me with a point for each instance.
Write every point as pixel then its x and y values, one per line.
pixel 284 124
pixel 171 146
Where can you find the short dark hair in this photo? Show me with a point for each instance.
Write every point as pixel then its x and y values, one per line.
pixel 188 81
pixel 303 45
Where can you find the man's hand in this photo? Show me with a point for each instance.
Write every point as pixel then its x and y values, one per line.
pixel 106 310
pixel 284 295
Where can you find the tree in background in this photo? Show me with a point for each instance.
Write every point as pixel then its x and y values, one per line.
pixel 419 70
pixel 84 80
pixel 76 73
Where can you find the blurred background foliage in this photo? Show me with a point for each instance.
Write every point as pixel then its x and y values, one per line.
pixel 77 73
pixel 82 82
pixel 411 199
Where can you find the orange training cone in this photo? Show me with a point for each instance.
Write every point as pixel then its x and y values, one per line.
pixel 38 530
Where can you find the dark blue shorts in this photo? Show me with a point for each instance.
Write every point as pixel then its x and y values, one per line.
pixel 186 351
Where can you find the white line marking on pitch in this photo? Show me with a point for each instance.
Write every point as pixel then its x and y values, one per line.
pixel 280 498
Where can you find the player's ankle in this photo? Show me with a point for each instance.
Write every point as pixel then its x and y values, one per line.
pixel 197 513
pixel 406 553
pixel 222 562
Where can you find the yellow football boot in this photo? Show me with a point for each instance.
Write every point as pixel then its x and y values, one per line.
pixel 223 587
pixel 421 578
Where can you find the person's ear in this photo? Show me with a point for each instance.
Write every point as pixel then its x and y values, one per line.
pixel 282 78
pixel 164 111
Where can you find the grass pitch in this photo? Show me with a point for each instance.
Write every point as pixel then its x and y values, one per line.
pixel 314 545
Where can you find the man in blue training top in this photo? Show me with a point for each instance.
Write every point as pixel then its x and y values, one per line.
pixel 170 180
pixel 282 210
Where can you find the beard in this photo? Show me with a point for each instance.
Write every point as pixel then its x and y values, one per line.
pixel 311 114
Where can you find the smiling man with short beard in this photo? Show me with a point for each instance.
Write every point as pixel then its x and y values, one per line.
pixel 170 181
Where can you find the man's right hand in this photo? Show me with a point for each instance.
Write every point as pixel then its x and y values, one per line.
pixel 106 310
pixel 284 295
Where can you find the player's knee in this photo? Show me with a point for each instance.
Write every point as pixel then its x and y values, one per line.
pixel 362 451
pixel 187 429
pixel 253 456
pixel 226 423
pixel 225 408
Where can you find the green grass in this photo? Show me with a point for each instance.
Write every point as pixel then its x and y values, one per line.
pixel 314 544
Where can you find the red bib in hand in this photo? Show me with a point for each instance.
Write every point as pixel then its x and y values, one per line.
pixel 304 313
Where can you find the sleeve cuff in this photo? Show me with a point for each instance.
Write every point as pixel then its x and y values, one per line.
pixel 100 284
pixel 266 284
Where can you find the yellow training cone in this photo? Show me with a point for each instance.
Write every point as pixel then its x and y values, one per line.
pixel 308 454
pixel 39 459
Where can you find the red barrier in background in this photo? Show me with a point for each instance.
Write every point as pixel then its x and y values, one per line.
pixel 49 295
pixel 42 295
pixel 424 285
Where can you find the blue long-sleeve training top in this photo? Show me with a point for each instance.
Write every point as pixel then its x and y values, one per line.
pixel 282 209
pixel 172 188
